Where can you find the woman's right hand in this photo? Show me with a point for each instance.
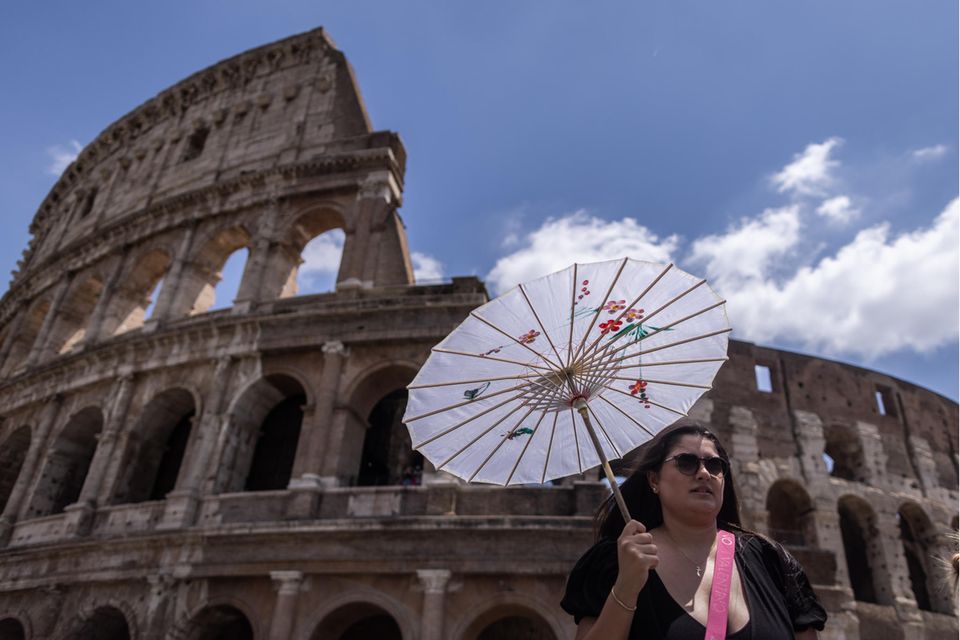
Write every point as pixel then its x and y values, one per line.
pixel 636 555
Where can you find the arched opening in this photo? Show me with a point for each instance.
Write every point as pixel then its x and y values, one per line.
pixel 388 457
pixel 919 540
pixel 265 430
pixel 358 621
pixel 230 276
pixel 26 336
pixel 861 545
pixel 842 445
pixel 790 515
pixel 510 622
pixel 106 623
pixel 208 281
pixel 311 263
pixel 221 622
pixel 136 293
pixel 70 327
pixel 13 452
pixel 321 264
pixel 67 464
pixel 12 629
pixel 156 454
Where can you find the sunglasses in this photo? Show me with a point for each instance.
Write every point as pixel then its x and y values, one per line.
pixel 689 464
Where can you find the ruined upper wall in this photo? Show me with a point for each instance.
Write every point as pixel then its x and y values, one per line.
pixel 286 102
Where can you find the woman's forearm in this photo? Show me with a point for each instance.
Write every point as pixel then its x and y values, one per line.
pixel 613 624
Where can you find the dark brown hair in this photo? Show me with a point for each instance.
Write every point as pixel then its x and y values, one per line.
pixel 643 504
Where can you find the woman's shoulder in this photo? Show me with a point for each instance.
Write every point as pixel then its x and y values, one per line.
pixel 590 580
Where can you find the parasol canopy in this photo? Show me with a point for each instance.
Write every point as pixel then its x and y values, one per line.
pixel 627 345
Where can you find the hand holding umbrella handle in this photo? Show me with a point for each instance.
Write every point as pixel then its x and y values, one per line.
pixel 580 405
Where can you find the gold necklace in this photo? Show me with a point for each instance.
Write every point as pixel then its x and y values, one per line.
pixel 675 544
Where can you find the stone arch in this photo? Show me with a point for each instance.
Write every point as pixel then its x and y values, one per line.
pixel 509 608
pixel 13 452
pixel 339 614
pixel 134 294
pixel 791 515
pixel 70 326
pixel 26 335
pixel 200 277
pixel 223 620
pixel 67 464
pixel 12 628
pixel 314 228
pixel 103 623
pixel 386 455
pixel 868 572
pixel 265 421
pixel 157 448
pixel 920 549
pixel 843 445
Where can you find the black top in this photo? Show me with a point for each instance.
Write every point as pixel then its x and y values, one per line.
pixel 779 596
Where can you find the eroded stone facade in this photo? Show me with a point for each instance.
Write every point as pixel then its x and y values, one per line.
pixel 167 471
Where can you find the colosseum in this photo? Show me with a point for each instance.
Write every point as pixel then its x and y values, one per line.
pixel 170 470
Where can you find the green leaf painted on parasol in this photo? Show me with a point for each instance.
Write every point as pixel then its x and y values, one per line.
pixel 471 394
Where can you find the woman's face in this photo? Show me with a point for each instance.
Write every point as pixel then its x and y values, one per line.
pixel 699 495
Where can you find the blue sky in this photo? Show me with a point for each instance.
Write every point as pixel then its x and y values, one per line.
pixel 802 156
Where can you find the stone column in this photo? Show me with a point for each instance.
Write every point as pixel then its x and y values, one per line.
pixel 317 441
pixel 171 286
pixel 38 443
pixel 891 576
pixel 361 249
pixel 434 584
pixel 248 292
pixel 15 327
pixel 80 514
pixel 288 585
pixel 95 332
pixel 182 502
pixel 53 313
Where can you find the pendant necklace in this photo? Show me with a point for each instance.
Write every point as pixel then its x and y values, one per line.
pixel 698 567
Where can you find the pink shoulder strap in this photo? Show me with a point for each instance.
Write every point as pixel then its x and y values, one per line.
pixel 720 589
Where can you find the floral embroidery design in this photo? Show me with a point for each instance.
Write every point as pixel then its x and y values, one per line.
pixel 471 394
pixel 528 337
pixel 639 389
pixel 516 433
pixel 633 314
pixel 584 291
pixel 610 326
pixel 613 306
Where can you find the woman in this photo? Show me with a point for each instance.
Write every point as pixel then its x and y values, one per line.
pixel 651 577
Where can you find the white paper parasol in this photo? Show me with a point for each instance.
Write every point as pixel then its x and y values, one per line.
pixel 627 345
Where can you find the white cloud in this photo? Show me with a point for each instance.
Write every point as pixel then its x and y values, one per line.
pixel 838 210
pixel 577 237
pixel 61 156
pixel 810 171
pixel 322 254
pixel 929 153
pixel 321 263
pixel 745 251
pixel 426 267
pixel 876 295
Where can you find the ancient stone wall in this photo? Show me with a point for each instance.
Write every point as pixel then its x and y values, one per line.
pixel 168 471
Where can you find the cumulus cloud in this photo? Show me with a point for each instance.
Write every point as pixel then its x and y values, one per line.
pixel 876 295
pixel 929 153
pixel 810 171
pixel 61 156
pixel 321 262
pixel 426 267
pixel 746 250
pixel 577 237
pixel 838 210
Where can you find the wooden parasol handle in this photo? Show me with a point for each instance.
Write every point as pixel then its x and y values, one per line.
pixel 581 406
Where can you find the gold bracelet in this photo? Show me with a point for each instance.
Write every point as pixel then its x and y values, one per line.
pixel 620 602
